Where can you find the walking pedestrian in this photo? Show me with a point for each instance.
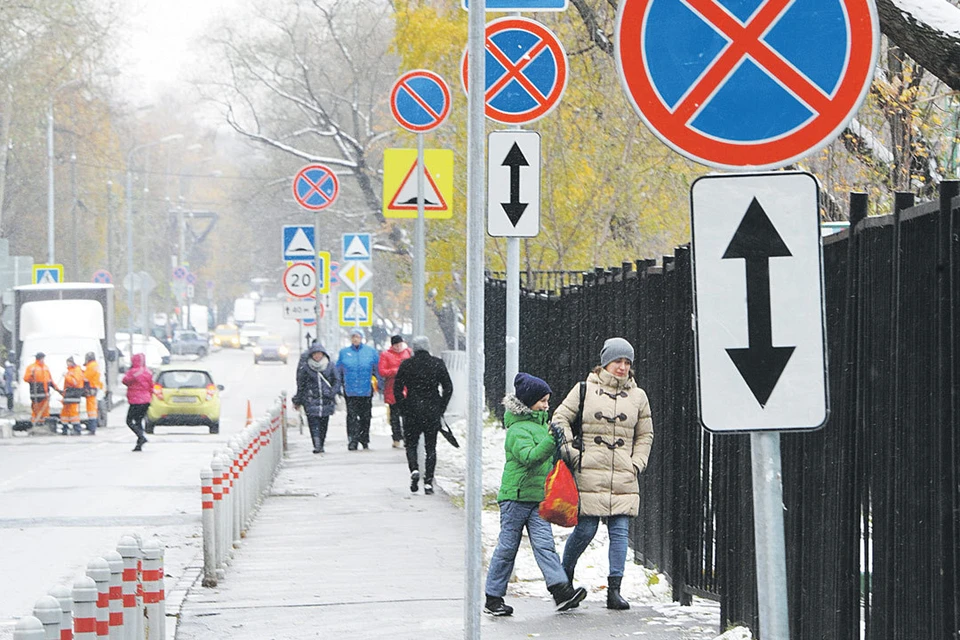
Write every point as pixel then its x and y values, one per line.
pixel 10 378
pixel 422 389
pixel 72 394
pixel 318 384
pixel 530 446
pixel 139 383
pixel 390 360
pixel 91 387
pixel 357 365
pixel 38 376
pixel 608 458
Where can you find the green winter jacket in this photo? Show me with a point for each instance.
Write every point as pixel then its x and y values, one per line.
pixel 530 449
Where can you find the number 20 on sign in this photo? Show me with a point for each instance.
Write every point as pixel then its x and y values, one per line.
pixel 300 279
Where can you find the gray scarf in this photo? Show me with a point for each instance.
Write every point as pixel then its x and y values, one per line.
pixel 318 365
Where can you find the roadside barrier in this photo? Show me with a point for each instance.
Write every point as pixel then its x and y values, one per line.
pixel 234 485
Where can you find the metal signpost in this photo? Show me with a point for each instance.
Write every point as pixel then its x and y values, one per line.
pixel 315 187
pixel 420 102
pixel 753 88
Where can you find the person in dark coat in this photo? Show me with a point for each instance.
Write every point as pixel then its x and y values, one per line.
pixel 318 384
pixel 422 390
pixel 9 379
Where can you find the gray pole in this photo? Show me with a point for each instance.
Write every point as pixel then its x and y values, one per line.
pixel 768 533
pixel 130 303
pixel 110 229
pixel 75 257
pixel 476 211
pixel 513 312
pixel 419 249
pixel 51 221
pixel 316 261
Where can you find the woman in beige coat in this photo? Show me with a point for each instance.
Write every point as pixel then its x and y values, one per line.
pixel 608 459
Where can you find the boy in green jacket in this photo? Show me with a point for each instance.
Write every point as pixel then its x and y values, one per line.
pixel 530 445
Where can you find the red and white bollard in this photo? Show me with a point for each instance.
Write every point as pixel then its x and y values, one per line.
pixel 209 529
pixel 62 594
pixel 84 609
pixel 99 570
pixel 235 449
pixel 151 589
pixel 115 561
pixel 129 550
pixel 47 611
pixel 217 468
pixel 28 628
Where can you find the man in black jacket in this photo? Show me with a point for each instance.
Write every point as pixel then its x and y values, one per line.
pixel 422 389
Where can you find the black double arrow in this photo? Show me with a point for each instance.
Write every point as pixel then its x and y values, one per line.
pixel 515 159
pixel 756 241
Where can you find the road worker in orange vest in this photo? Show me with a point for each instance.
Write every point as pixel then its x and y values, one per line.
pixel 91 387
pixel 72 395
pixel 40 381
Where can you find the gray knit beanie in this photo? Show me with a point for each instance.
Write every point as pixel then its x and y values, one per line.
pixel 420 343
pixel 615 348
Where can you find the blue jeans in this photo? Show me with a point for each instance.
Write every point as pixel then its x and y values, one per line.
pixel 514 516
pixel 619 529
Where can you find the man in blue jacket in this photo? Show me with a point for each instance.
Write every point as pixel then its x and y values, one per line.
pixel 357 365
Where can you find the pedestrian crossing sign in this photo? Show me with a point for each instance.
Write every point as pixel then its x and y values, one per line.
pixel 400 183
pixel 356 309
pixel 47 273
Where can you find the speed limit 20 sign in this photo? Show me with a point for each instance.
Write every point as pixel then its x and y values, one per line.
pixel 300 279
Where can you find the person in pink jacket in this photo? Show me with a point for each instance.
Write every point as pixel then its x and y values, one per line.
pixel 139 383
pixel 390 360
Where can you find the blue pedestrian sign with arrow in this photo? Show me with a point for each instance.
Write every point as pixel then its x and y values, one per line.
pixel 298 243
pixel 356 246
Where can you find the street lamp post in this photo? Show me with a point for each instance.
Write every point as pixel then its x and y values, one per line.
pixel 130 302
pixel 51 220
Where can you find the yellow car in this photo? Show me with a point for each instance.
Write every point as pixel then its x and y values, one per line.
pixel 184 395
pixel 226 335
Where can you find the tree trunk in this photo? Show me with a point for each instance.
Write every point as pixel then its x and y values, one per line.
pixel 935 49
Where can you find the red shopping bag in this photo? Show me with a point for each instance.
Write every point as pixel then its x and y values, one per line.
pixel 561 502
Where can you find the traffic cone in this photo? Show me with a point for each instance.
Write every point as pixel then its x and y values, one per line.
pixel 249 414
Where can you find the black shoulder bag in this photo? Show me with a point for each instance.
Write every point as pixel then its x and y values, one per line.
pixel 576 426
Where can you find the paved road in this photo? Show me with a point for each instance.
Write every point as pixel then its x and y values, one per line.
pixel 65 500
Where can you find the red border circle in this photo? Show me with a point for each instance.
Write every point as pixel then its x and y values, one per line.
pixel 420 73
pixel 302 200
pixel 309 293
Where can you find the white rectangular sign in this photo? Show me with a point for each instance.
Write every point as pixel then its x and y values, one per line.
pixel 758 302
pixel 302 309
pixel 513 184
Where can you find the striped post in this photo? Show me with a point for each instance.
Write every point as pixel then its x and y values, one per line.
pixel 63 596
pixel 236 450
pixel 129 550
pixel 115 561
pixel 47 611
pixel 209 524
pixel 99 570
pixel 217 468
pixel 226 511
pixel 85 609
pixel 163 590
pixel 28 628
pixel 151 588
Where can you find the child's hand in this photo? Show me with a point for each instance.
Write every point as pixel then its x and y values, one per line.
pixel 557 434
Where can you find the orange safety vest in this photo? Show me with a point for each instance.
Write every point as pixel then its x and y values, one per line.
pixel 91 373
pixel 73 384
pixel 38 375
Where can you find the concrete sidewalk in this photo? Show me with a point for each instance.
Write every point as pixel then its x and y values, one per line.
pixel 342 549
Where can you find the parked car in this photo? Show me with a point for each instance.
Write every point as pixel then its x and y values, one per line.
pixel 270 348
pixel 226 335
pixel 251 332
pixel 185 343
pixel 153 350
pixel 184 395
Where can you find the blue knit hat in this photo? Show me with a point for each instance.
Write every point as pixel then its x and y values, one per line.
pixel 529 389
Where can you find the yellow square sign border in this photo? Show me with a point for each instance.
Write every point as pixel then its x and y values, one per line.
pixel 341 301
pixel 399 166
pixel 48 267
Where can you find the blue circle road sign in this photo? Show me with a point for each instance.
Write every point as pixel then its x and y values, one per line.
pixel 191 278
pixel 315 187
pixel 525 68
pixel 102 276
pixel 420 101
pixel 179 273
pixel 746 83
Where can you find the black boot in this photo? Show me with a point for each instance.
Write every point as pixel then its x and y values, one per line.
pixel 614 600
pixel 317 447
pixel 565 596
pixel 496 607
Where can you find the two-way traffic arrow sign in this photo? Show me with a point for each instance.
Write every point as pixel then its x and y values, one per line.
pixel 513 184
pixel 758 299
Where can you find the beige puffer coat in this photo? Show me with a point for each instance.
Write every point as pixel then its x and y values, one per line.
pixel 617 436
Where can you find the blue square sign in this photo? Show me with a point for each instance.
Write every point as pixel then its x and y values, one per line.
pixel 298 243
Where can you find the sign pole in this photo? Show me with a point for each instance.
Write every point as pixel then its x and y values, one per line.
pixel 513 313
pixel 316 261
pixel 419 249
pixel 769 536
pixel 476 106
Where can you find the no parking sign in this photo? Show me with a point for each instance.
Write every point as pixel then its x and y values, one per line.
pixel 746 84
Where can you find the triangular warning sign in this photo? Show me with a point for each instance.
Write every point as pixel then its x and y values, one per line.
pixel 356 312
pixel 356 249
pixel 405 199
pixel 47 278
pixel 299 244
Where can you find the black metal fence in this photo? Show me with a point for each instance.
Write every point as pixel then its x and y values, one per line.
pixel 872 500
